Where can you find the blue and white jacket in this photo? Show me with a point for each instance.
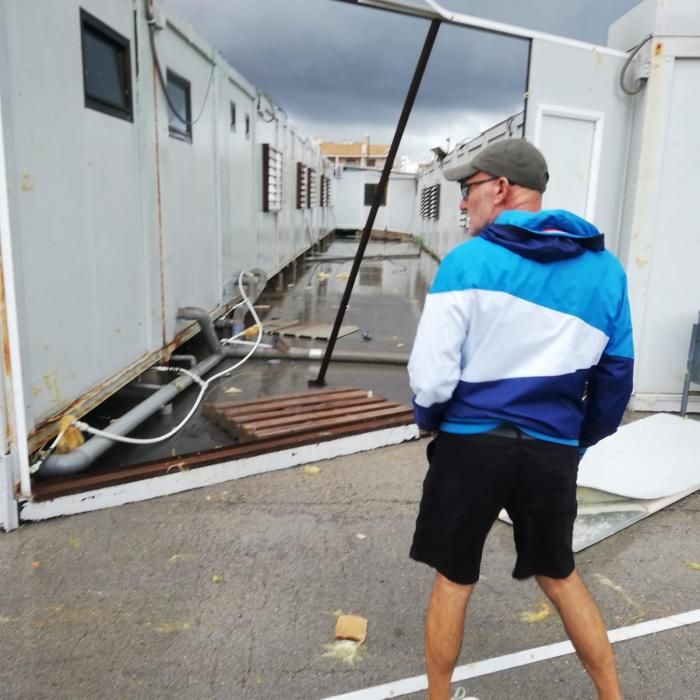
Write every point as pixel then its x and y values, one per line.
pixel 529 325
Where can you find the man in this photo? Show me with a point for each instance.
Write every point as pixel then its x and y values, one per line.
pixel 522 359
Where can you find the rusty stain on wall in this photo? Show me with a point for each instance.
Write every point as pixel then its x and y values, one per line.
pixel 52 384
pixel 6 360
pixel 26 183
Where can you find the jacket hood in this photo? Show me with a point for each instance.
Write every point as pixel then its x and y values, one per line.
pixel 544 236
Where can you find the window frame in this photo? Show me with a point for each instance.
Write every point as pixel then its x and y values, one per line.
pixel 92 24
pixel 369 200
pixel 272 177
pixel 185 132
pixel 232 115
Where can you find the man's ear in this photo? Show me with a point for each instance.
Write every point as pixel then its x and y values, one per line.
pixel 503 190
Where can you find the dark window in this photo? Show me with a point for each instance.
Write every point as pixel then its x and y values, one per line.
pixel 106 68
pixel 179 107
pixel 272 172
pixel 311 196
pixel 233 116
pixel 247 125
pixel 369 196
pixel 430 202
pixel 301 197
pixel 371 162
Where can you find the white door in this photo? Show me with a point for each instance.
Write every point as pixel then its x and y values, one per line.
pixel 578 116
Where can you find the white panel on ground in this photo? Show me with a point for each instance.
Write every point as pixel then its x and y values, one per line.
pixel 651 458
pixel 644 467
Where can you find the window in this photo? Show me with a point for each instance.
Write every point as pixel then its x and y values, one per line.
pixel 272 169
pixel 325 196
pixel 106 68
pixel 302 196
pixel 179 107
pixel 247 125
pixel 311 191
pixel 369 195
pixel 430 202
pixel 233 116
pixel 371 162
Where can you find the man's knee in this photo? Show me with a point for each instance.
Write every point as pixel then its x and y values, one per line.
pixel 555 587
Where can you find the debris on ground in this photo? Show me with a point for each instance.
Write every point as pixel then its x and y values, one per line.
pixel 353 627
pixel 344 650
pixel 233 390
pixel 543 611
pixel 311 470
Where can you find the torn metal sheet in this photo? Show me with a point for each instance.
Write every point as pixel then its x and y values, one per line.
pixel 649 458
pixel 309 331
pixel 644 467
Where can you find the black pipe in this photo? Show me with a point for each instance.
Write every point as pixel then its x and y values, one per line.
pixel 379 196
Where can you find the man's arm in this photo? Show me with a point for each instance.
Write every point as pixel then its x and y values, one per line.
pixel 435 364
pixel 610 382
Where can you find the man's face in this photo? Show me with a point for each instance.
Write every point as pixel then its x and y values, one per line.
pixel 480 201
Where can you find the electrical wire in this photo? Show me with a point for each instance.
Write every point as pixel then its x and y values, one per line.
pixel 204 385
pixel 164 85
pixel 640 82
pixel 44 455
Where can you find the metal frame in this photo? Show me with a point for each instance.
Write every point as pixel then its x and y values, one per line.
pixel 438 12
pixel 379 195
pixel 14 439
pixel 182 132
pixel 693 364
pixel 89 23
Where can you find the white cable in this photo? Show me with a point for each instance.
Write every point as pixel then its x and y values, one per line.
pixel 204 385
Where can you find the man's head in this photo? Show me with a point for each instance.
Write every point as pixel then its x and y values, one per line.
pixel 508 174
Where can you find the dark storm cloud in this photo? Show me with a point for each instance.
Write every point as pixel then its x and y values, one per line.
pixel 344 70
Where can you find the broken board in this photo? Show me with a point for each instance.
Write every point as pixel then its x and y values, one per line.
pixel 644 467
pixel 308 331
pixel 307 412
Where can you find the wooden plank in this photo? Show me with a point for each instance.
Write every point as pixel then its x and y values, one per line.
pixel 272 412
pixel 271 422
pixel 330 422
pixel 80 483
pixel 233 403
pixel 300 400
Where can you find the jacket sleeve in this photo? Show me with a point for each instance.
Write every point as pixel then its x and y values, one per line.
pixel 434 367
pixel 610 382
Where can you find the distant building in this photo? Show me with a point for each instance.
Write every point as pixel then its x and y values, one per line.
pixel 362 154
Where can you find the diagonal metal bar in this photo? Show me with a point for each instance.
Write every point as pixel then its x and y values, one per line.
pixel 378 196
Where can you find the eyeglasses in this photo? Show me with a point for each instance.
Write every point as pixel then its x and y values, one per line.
pixel 466 185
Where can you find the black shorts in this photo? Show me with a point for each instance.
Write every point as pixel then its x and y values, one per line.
pixel 469 480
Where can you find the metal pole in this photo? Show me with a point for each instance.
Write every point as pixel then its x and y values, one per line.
pixel 378 196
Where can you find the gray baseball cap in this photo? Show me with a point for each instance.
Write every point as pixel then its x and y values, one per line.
pixel 515 159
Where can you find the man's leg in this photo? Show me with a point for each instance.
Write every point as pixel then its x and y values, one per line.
pixel 586 629
pixel 444 629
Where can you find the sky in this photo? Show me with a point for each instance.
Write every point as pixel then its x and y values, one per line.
pixel 341 71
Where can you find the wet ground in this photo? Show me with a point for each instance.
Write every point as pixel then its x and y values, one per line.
pixel 385 305
pixel 230 592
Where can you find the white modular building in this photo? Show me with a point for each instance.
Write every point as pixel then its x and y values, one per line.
pixel 139 174
pixel 618 126
pixel 353 193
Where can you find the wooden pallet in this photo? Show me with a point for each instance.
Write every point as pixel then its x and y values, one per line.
pixel 297 414
pixel 318 431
